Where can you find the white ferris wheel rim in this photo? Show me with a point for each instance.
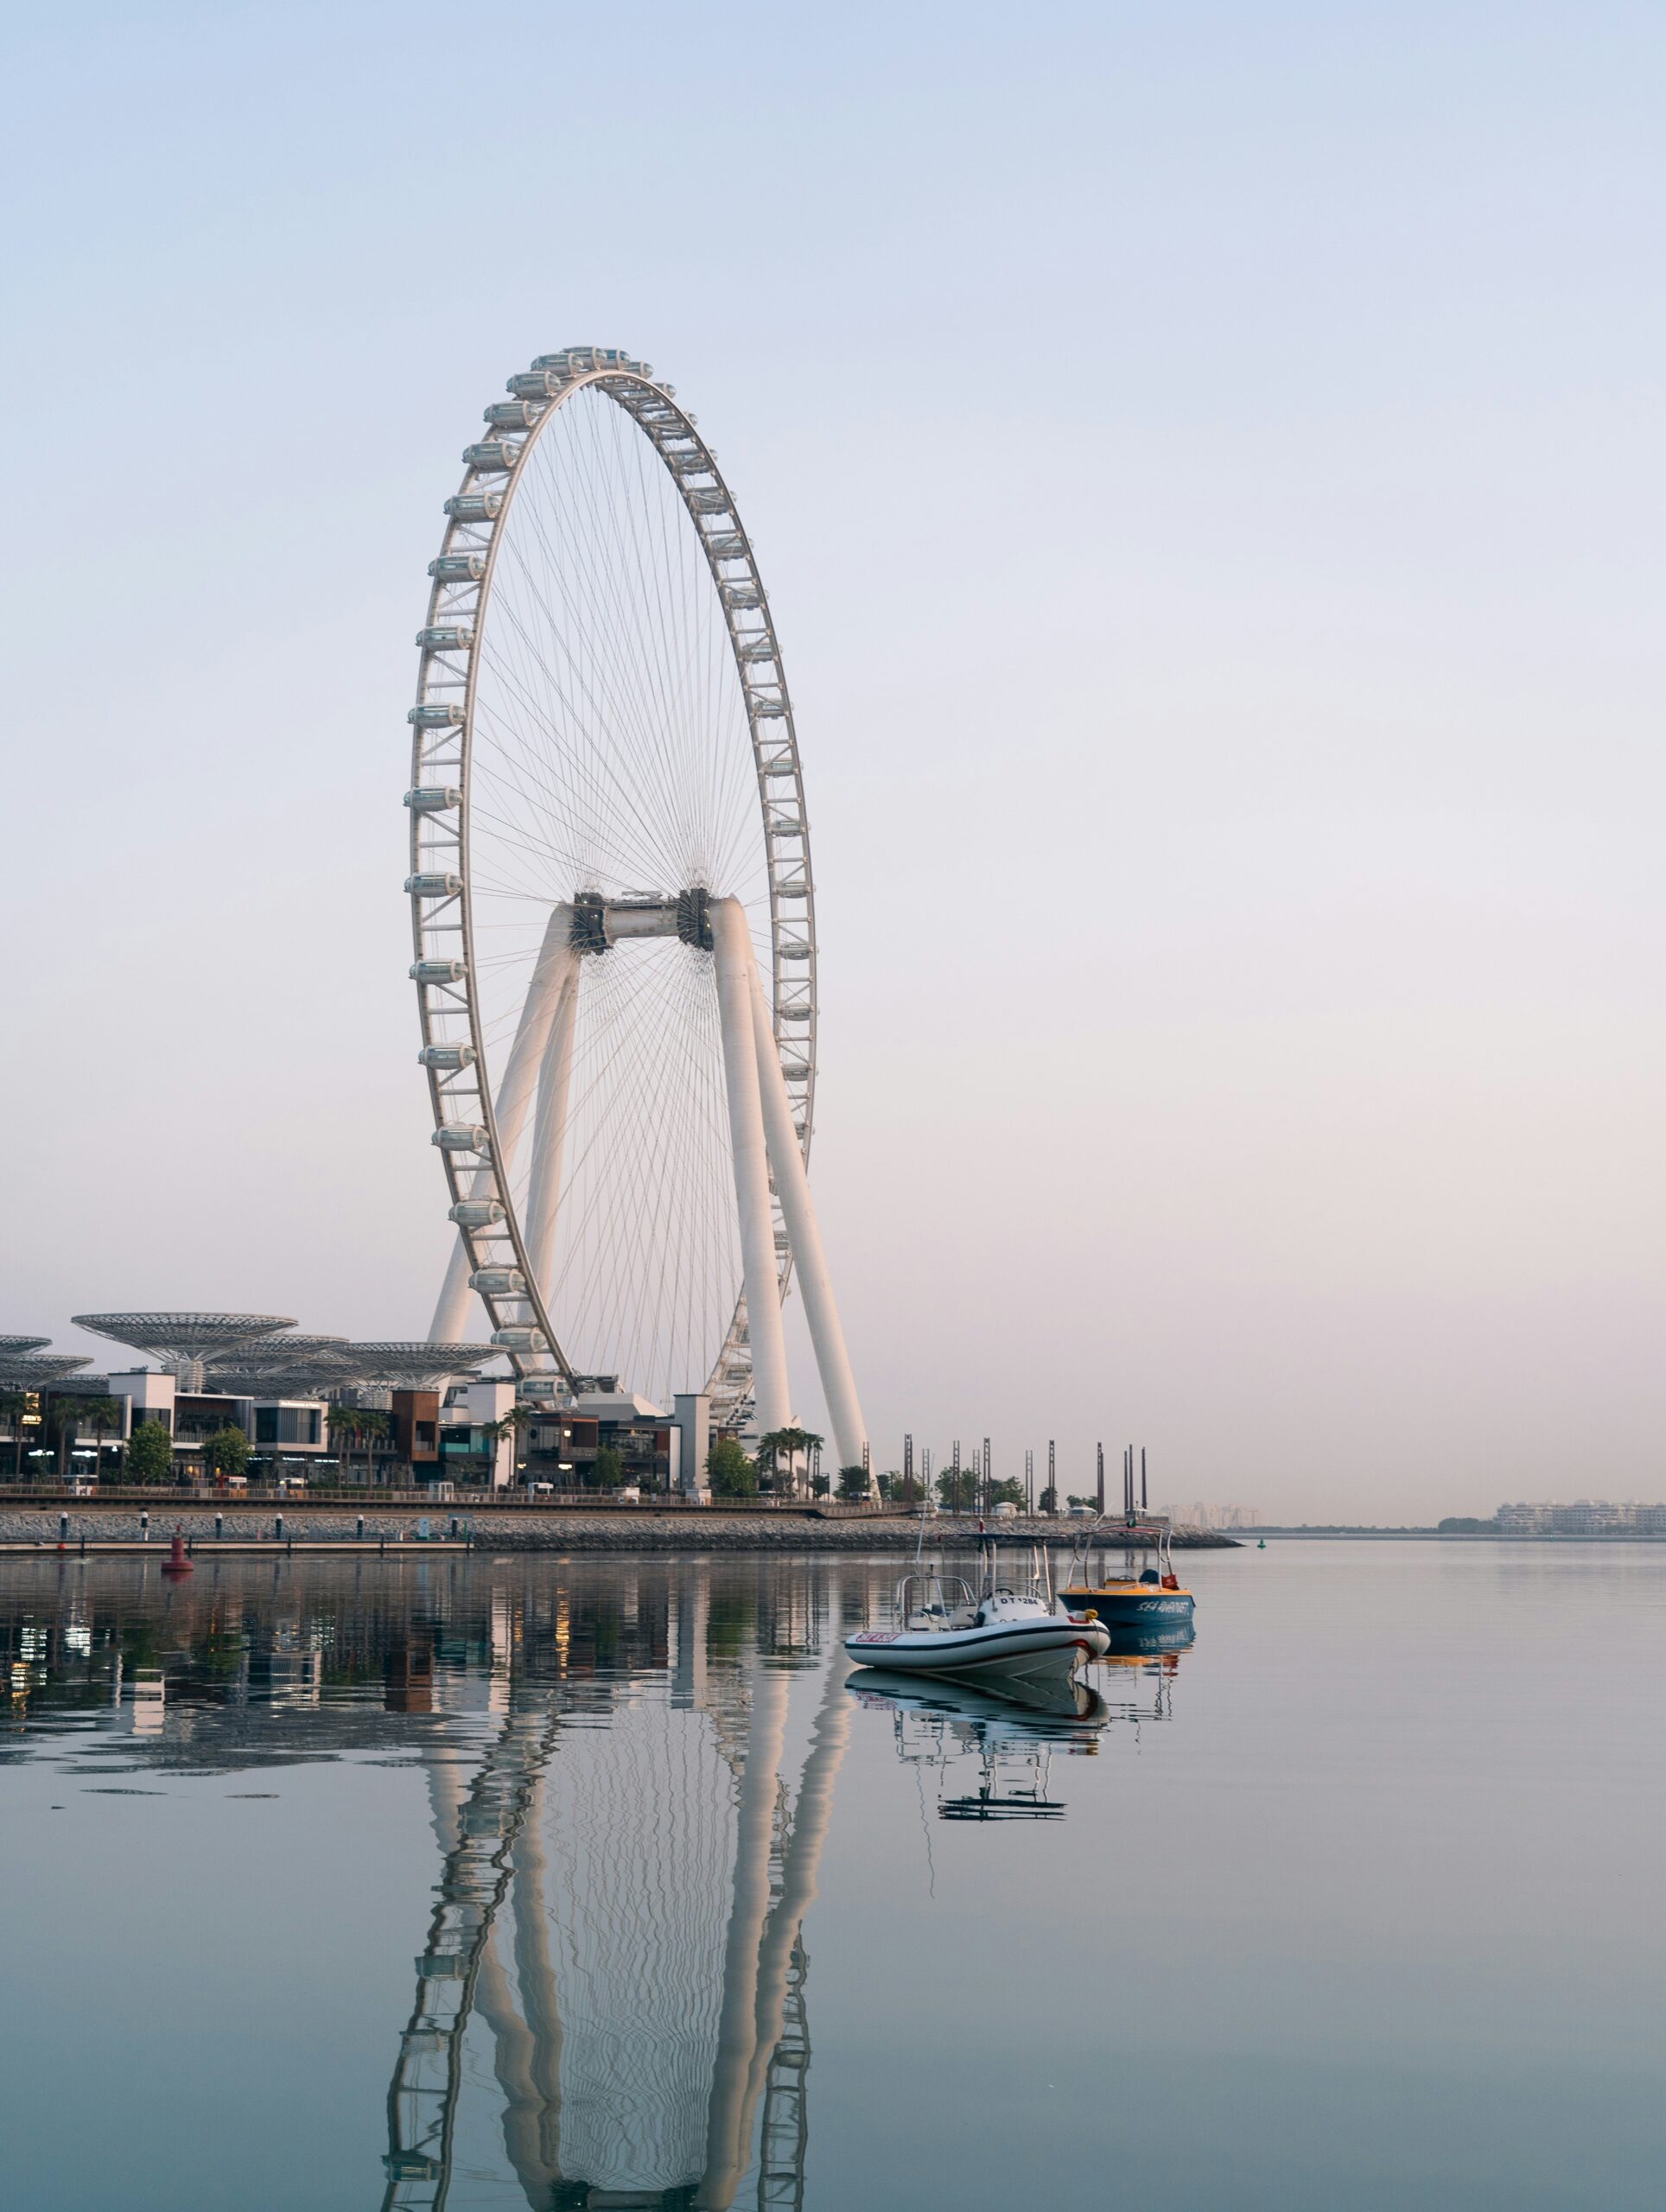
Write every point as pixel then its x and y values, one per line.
pixel 464 1089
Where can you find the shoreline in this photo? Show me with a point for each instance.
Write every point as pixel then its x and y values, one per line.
pixel 1454 1535
pixel 33 1534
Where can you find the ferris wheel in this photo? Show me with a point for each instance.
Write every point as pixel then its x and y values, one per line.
pixel 613 909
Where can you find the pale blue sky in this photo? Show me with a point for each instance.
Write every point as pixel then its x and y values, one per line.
pixel 1207 465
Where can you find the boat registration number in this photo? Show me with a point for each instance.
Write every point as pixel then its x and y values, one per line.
pixel 877 1636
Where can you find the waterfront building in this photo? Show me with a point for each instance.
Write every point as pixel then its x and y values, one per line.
pixel 477 1445
pixel 562 1446
pixel 287 1435
pixel 1585 1516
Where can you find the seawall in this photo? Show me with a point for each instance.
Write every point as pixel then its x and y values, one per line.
pixel 540 1530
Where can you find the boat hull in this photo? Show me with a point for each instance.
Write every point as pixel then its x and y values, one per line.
pixel 1048 1649
pixel 1138 1607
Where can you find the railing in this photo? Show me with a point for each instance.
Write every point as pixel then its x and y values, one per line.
pixel 369 1499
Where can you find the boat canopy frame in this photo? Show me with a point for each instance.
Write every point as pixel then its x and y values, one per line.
pixel 1136 1532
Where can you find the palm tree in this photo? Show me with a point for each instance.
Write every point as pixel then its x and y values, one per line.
pixel 343 1426
pixel 515 1424
pixel 363 1423
pixel 62 1415
pixel 376 1425
pixel 517 1420
pixel 768 1447
pixel 792 1441
pixel 372 1425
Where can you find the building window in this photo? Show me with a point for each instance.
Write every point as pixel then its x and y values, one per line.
pixel 286 1425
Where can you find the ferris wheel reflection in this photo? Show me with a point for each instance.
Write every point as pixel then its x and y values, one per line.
pixel 619 1921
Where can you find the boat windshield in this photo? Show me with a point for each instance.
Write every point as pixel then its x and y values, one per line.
pixel 929 1599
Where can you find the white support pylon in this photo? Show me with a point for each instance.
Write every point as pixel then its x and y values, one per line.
pixel 732 943
pixel 787 1162
pixel 550 1134
pixel 556 962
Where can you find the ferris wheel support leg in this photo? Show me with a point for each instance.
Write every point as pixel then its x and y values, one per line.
pixel 786 1159
pixel 556 960
pixel 732 943
pixel 549 1132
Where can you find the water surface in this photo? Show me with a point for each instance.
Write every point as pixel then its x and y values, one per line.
pixel 545 1882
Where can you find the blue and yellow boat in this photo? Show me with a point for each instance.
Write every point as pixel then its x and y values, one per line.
pixel 1149 1598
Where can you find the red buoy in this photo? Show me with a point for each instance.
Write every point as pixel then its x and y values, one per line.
pixel 177 1565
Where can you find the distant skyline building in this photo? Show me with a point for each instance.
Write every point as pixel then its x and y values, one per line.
pixel 1217 1517
pixel 1584 1517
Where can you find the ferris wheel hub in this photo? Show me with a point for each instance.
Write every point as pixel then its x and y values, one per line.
pixel 598 923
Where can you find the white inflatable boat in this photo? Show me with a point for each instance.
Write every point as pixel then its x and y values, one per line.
pixel 1004 1635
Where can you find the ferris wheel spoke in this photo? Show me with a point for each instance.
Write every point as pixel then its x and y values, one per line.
pixel 583 768
pixel 590 761
pixel 520 692
pixel 601 606
pixel 663 767
pixel 604 518
pixel 672 672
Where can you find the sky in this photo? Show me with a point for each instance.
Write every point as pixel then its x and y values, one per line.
pixel 1206 462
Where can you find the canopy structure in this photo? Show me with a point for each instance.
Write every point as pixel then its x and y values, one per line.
pixel 281 1382
pixel 38 1370
pixel 282 1345
pixel 184 1342
pixel 285 1363
pixel 404 1365
pixel 9 1344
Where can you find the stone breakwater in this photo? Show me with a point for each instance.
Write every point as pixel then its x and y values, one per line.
pixel 506 1531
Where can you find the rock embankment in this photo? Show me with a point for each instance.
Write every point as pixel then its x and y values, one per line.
pixel 544 1530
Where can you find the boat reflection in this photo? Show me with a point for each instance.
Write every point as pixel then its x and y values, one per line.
pixel 1137 1675
pixel 990 1755
pixel 1139 1643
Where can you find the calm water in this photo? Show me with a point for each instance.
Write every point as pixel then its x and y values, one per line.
pixel 552 1884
